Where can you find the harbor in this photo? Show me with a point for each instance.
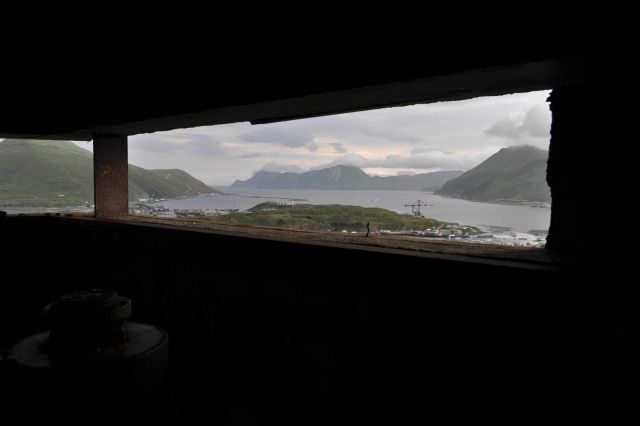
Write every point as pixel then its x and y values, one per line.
pixel 467 230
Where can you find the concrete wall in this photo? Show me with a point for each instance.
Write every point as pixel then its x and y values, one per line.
pixel 265 332
pixel 567 171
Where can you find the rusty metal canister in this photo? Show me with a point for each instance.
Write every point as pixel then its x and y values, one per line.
pixel 92 366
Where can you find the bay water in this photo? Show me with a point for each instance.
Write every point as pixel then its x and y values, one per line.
pixel 488 216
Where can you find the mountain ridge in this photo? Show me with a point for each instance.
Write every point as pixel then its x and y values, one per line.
pixel 42 172
pixel 345 178
pixel 513 174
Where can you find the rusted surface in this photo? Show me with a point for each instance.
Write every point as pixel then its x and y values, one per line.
pixel 86 320
pixel 80 368
pixel 146 351
pixel 110 175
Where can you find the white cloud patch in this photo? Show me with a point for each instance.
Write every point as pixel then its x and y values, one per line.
pixel 246 156
pixel 417 138
pixel 279 168
pixel 391 136
pixel 427 161
pixel 349 159
pixel 338 148
pixel 290 138
pixel 180 143
pixel 536 123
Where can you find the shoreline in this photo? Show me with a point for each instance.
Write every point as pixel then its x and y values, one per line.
pixel 523 203
pixel 491 216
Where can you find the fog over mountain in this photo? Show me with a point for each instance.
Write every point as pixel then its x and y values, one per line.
pixel 412 139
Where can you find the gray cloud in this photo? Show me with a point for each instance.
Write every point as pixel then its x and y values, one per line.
pixel 426 161
pixel 421 149
pixel 535 123
pixel 443 135
pixel 183 143
pixel 278 136
pixel 338 148
pixel 350 159
pixel 505 128
pixel 272 166
pixel 246 156
pixel 391 136
pixel 204 148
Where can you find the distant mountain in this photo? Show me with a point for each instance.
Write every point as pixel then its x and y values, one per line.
pixel 165 183
pixel 345 177
pixel 512 174
pixel 420 182
pixel 41 172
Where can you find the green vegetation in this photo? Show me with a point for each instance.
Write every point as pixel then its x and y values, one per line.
pixel 327 218
pixel 60 173
pixel 513 174
pixel 161 183
pixel 34 172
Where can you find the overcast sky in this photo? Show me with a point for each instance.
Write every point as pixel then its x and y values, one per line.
pixel 403 140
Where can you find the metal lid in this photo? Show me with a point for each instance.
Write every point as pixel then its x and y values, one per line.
pixel 87 320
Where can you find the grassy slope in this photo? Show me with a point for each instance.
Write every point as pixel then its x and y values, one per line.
pixel 325 217
pixel 170 183
pixel 527 183
pixel 35 172
pixel 516 173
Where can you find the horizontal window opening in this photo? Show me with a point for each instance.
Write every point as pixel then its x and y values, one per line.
pixel 470 171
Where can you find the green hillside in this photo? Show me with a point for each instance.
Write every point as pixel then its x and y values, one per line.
pixel 512 174
pixel 326 217
pixel 164 183
pixel 60 173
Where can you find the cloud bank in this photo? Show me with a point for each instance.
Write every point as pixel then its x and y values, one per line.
pixel 411 139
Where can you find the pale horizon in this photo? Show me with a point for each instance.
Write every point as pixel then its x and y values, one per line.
pixel 384 142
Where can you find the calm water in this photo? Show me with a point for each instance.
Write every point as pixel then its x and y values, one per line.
pixel 484 215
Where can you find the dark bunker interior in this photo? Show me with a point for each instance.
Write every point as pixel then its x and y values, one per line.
pixel 268 330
